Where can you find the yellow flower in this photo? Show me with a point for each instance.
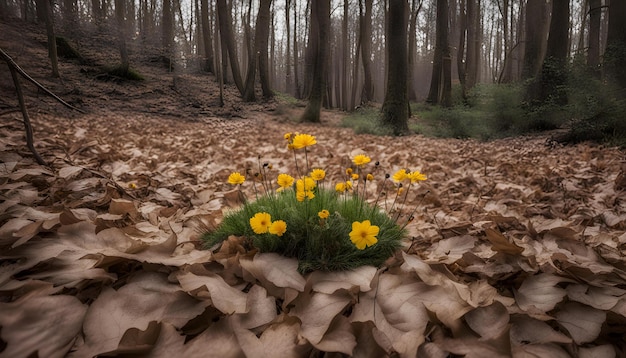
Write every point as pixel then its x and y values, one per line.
pixel 400 175
pixel 323 214
pixel 369 177
pixel 278 228
pixel 340 187
pixel 285 180
pixel 287 136
pixel 306 184
pixel 361 160
pixel 349 185
pixel 132 185
pixel 355 176
pixel 363 234
pixel 260 222
pixel 302 194
pixel 303 140
pixel 416 176
pixel 349 171
pixel 318 174
pixel 236 178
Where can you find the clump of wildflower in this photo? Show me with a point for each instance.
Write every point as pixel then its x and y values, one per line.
pixel 304 189
pixel 236 178
pixel 363 234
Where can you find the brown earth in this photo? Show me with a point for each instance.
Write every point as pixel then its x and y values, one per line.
pixel 517 248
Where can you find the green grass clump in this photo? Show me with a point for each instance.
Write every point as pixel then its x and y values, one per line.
pixel 325 228
pixel 317 244
pixel 366 120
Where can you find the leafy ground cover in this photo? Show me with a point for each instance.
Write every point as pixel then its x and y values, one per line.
pixel 517 247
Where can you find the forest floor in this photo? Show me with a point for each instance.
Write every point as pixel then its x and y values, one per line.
pixel 517 247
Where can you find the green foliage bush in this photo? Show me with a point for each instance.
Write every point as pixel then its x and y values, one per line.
pixel 366 120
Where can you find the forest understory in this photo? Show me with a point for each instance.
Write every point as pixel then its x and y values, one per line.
pixel 517 247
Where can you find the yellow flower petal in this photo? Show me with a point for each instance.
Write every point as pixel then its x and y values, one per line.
pixel 236 178
pixel 303 140
pixel 361 159
pixel 260 222
pixel 278 228
pixel 400 175
pixel 363 234
pixel 285 180
pixel 323 214
pixel 318 174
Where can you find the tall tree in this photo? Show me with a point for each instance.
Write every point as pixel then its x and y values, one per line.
pixel 395 110
pixel 288 79
pixel 345 56
pixel 441 80
pixel 472 56
pixel 416 6
pixel 615 52
pixel 121 35
pixel 206 36
pixel 168 32
pixel 554 69
pixel 365 34
pixel 593 49
pixel 228 42
pixel 317 58
pixel 534 32
pixel 52 47
pixel 260 56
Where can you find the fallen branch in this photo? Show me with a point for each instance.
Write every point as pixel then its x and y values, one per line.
pixel 15 69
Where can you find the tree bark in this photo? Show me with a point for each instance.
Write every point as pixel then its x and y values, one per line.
pixel 206 36
pixel 534 31
pixel 229 43
pixel 395 110
pixel 318 59
pixel 260 56
pixel 615 52
pixel 593 50
pixel 168 32
pixel 121 35
pixel 441 80
pixel 554 69
pixel 366 49
pixel 52 42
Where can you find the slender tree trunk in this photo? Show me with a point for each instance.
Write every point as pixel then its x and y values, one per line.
pixel 168 32
pixel 534 31
pixel 206 36
pixel 461 50
pixel 415 9
pixel 288 78
pixel 472 61
pixel 615 53
pixel 260 54
pixel 395 110
pixel 121 35
pixel 229 43
pixel 593 50
pixel 366 49
pixel 52 44
pixel 318 56
pixel 554 68
pixel 440 83
pixel 296 59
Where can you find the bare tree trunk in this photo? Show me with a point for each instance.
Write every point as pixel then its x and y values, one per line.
pixel 206 36
pixel 260 56
pixel 534 30
pixel 296 59
pixel 615 53
pixel 440 83
pixel 52 42
pixel 461 50
pixel 318 57
pixel 229 43
pixel 168 32
pixel 219 66
pixel 593 51
pixel 288 79
pixel 415 9
pixel 366 49
pixel 472 60
pixel 121 35
pixel 395 109
pixel 554 68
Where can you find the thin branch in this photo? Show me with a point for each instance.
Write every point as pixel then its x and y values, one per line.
pixel 15 67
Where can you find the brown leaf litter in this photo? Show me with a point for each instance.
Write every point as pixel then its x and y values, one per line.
pixel 517 248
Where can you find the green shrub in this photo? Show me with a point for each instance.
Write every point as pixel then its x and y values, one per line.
pixel 365 120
